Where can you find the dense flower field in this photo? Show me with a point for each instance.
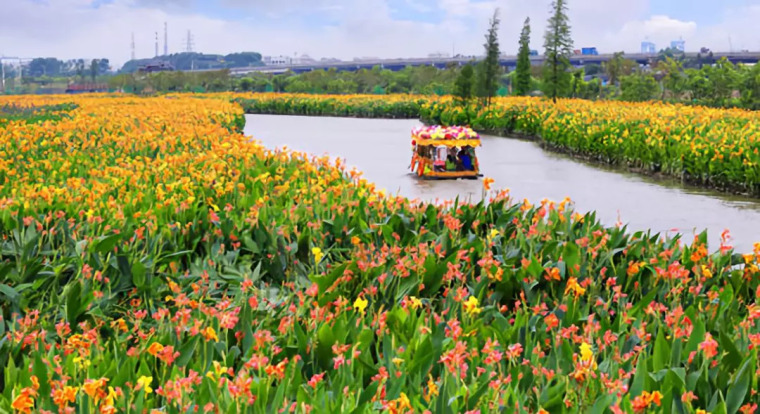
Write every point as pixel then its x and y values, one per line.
pixel 716 148
pixel 154 258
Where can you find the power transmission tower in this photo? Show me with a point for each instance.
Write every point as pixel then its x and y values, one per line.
pixel 156 44
pixel 190 42
pixel 166 39
pixel 133 45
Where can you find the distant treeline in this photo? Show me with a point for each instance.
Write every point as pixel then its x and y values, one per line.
pixel 188 61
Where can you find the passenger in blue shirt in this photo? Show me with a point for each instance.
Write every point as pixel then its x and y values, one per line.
pixel 465 160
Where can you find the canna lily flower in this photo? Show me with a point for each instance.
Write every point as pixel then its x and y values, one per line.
pixel 415 302
pixel 432 390
pixel 586 365
pixel 95 388
pixel 709 346
pixel 317 252
pixel 144 383
pixel 553 274
pixel 587 355
pixel 64 396
pixel 574 287
pixel 24 402
pixel 634 267
pixel 155 348
pixel 471 306
pixel 642 402
pixel 210 334
pixel 360 304
pixel 487 183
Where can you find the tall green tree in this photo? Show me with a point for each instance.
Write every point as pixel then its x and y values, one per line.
pixel 673 78
pixel 639 87
pixel 522 77
pixel 464 88
pixel 489 69
pixel 559 47
pixel 94 67
pixel 617 67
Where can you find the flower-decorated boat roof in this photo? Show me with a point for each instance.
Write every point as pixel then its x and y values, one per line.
pixel 452 136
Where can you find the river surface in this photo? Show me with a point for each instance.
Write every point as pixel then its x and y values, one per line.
pixel 381 149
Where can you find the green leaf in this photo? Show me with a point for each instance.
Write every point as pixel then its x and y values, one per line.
pixel 40 371
pixel 571 256
pixel 661 351
pixel 73 302
pixel 9 292
pixel 737 390
pixel 186 352
pixel 138 275
pixel 602 403
pixel 639 378
pixel 106 244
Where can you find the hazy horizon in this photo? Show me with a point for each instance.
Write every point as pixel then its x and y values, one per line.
pixel 346 29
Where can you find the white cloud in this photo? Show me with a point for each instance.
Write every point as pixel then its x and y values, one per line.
pixel 342 28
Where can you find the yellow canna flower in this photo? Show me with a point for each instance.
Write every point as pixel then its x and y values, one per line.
pixel 471 306
pixel 360 304
pixel 144 383
pixel 317 252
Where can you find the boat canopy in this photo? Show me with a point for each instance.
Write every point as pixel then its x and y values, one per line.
pixel 454 136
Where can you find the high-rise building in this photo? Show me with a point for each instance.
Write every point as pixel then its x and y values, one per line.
pixel 648 48
pixel 679 45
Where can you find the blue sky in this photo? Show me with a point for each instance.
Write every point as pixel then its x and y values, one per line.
pixel 354 28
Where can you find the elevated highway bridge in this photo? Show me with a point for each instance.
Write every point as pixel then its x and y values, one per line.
pixel 441 63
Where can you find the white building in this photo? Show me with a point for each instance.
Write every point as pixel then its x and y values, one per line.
pixel 278 60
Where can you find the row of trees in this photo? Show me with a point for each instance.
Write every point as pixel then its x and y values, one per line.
pixel 52 67
pixel 720 85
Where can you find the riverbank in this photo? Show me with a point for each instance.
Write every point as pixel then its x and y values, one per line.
pixel 710 148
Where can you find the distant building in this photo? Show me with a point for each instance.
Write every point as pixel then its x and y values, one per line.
pixel 438 55
pixel 278 60
pixel 304 60
pixel 678 45
pixel 648 48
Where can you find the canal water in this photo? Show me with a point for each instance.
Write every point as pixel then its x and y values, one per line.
pixel 381 149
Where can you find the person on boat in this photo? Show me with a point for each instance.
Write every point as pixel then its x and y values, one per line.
pixel 440 158
pixel 451 160
pixel 465 159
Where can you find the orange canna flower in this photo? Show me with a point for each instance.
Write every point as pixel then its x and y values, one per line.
pixel 64 396
pixel 24 402
pixel 487 183
pixel 155 348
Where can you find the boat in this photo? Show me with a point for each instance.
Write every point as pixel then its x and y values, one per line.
pixel 440 152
